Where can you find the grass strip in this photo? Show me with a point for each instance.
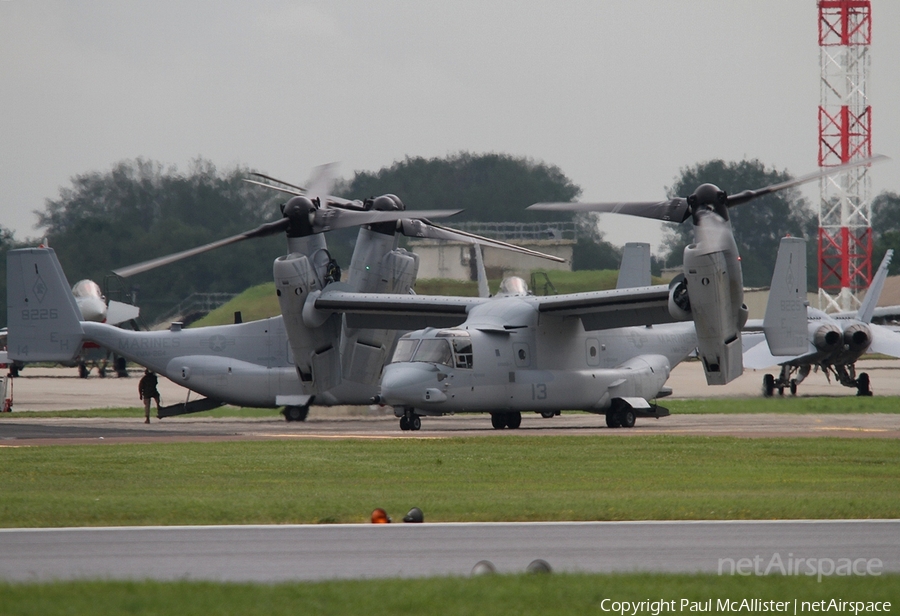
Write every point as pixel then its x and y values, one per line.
pixel 497 595
pixel 799 405
pixel 453 480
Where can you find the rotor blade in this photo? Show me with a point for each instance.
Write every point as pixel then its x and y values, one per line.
pixel 271 179
pixel 269 228
pixel 674 210
pixel 747 195
pixel 278 188
pixel 427 229
pixel 321 180
pixel 327 219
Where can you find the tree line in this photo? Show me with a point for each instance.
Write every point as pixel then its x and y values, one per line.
pixel 141 209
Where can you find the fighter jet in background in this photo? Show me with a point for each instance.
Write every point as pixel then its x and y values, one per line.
pixel 828 342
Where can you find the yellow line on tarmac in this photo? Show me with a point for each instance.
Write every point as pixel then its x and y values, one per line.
pixel 347 436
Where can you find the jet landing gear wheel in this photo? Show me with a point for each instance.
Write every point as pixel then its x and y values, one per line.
pixel 612 420
pixel 626 418
pixel 295 413
pixel 768 385
pixel 793 387
pixel 862 385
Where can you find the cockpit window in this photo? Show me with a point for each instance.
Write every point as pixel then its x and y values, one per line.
pixel 405 349
pixel 435 351
pixel 513 286
pixel 86 288
pixel 462 346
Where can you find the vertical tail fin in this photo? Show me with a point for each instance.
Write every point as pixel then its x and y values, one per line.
pixel 867 308
pixel 635 268
pixel 785 323
pixel 44 322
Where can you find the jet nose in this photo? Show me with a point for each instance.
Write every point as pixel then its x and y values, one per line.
pixel 92 309
pixel 406 384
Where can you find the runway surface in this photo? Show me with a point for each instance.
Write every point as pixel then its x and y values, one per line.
pixel 71 431
pixel 279 553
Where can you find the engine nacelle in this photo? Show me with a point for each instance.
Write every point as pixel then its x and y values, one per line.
pixel 679 300
pixel 315 349
pixel 857 338
pixel 716 299
pixel 826 337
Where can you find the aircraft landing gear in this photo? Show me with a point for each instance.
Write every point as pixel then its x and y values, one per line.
pixel 620 419
pixel 862 385
pixel 410 421
pixel 768 385
pixel 295 413
pixel 511 420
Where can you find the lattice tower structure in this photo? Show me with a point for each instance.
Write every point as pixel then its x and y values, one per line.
pixel 845 134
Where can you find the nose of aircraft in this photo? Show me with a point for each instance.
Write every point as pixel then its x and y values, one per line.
pixel 92 309
pixel 405 384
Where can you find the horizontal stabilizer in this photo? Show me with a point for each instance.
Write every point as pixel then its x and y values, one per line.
pixel 119 312
pixel 884 341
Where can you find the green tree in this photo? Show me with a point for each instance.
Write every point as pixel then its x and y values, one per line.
pixel 490 187
pixel 140 210
pixel 886 229
pixel 758 225
pixel 591 251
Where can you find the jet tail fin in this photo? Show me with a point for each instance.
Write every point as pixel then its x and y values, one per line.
pixel 634 270
pixel 867 308
pixel 785 323
pixel 44 322
pixel 483 289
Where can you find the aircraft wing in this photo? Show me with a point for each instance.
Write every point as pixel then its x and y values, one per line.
pixel 396 310
pixel 759 356
pixel 610 309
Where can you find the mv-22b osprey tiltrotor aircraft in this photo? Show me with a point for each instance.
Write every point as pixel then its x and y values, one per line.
pixel 272 362
pixel 607 352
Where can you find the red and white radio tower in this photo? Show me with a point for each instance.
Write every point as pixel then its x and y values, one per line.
pixel 845 134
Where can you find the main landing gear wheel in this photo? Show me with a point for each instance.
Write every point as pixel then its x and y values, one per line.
pixel 612 420
pixel 296 413
pixel 511 420
pixel 626 418
pixel 793 387
pixel 768 385
pixel 863 385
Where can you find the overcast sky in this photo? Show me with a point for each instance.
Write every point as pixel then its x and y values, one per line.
pixel 620 94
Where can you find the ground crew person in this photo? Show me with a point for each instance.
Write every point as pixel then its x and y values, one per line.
pixel 147 391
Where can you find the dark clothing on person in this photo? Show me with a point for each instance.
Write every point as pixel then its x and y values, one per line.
pixel 147 391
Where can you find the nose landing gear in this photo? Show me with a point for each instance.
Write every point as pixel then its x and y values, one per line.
pixel 410 421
